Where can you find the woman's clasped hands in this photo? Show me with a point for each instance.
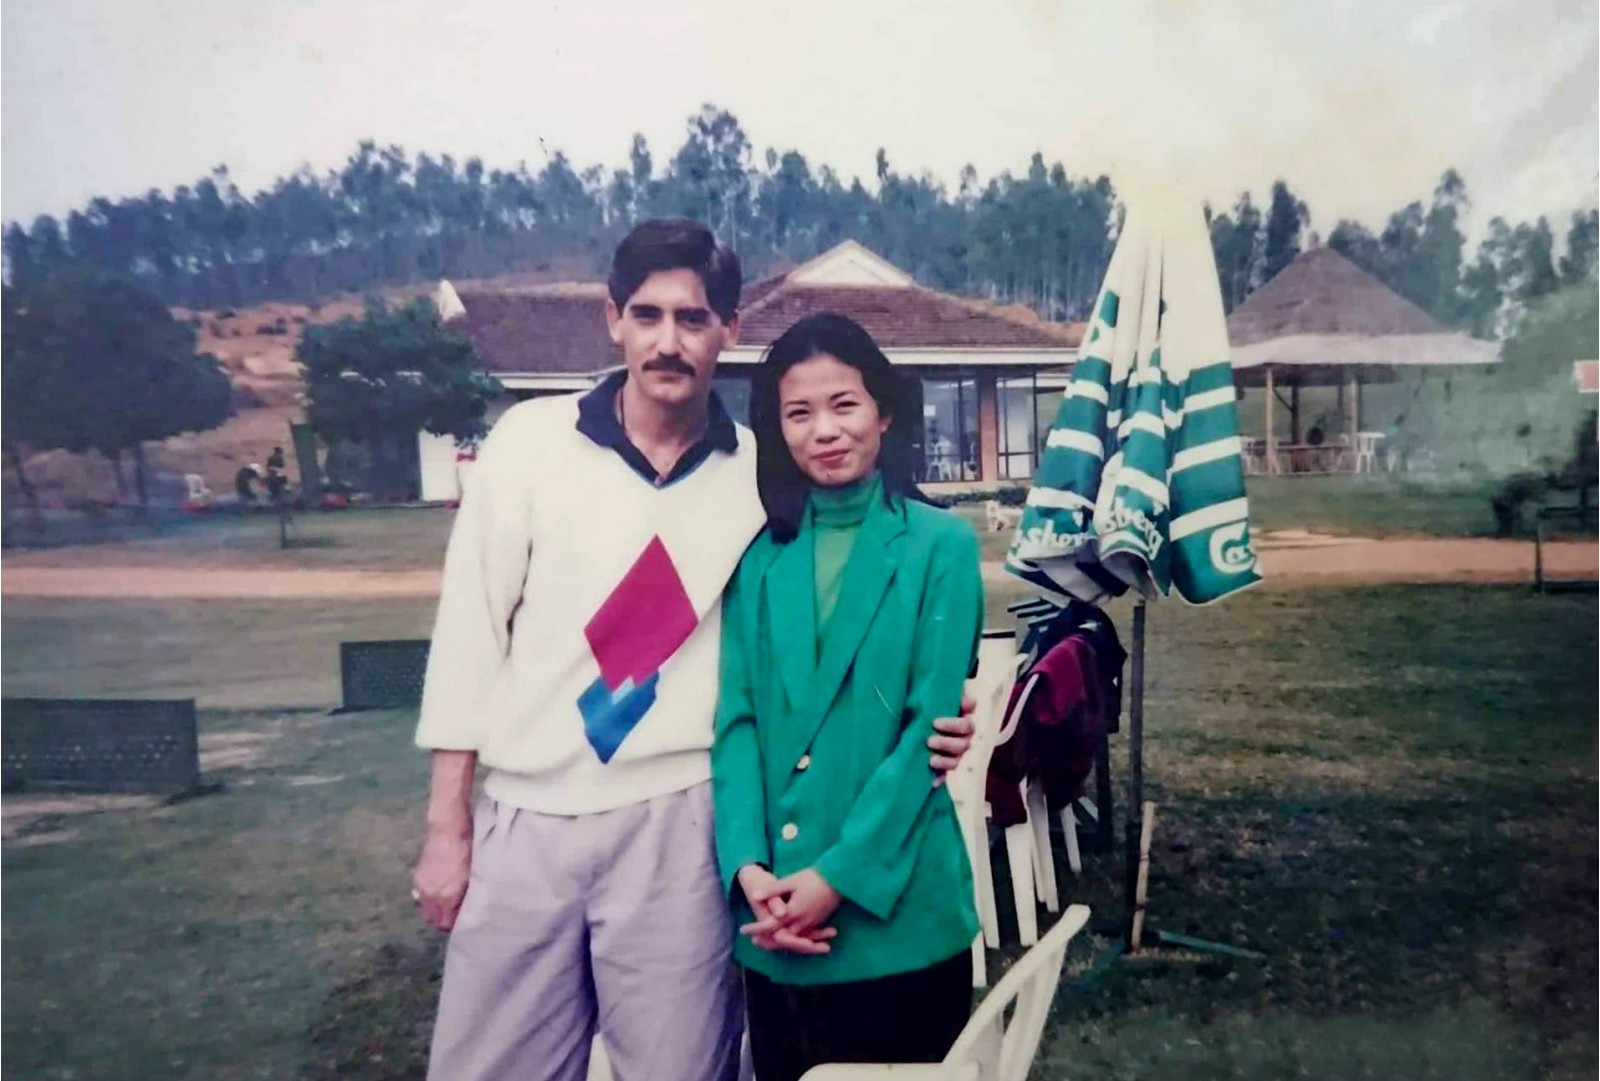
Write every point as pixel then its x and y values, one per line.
pixel 791 913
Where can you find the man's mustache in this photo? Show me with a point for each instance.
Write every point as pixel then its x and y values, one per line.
pixel 671 365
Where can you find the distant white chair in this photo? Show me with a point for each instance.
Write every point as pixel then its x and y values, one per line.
pixel 1000 518
pixel 990 1049
pixel 1368 445
pixel 197 490
pixel 1250 451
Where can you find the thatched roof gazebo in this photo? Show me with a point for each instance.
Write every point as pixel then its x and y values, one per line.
pixel 1323 321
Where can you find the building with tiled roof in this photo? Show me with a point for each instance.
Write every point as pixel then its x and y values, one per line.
pixel 990 375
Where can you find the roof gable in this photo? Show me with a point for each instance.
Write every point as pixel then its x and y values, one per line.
pixel 850 264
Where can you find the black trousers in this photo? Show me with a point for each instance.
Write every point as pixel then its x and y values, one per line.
pixel 909 1017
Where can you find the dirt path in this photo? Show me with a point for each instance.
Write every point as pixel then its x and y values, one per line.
pixel 1475 560
pixel 1332 559
pixel 1356 560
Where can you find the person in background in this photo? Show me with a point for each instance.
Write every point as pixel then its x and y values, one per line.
pixel 277 477
pixel 244 483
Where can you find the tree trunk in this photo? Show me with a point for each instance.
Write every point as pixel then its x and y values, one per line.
pixel 139 477
pixel 29 492
pixel 384 469
pixel 114 456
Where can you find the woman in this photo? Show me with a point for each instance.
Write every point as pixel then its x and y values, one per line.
pixel 850 625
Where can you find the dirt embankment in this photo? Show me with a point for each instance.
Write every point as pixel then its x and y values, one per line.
pixel 256 347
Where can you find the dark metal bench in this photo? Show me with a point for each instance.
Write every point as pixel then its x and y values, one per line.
pixel 382 674
pixel 100 745
pixel 1580 517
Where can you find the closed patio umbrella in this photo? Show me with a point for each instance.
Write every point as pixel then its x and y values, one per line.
pixel 1141 483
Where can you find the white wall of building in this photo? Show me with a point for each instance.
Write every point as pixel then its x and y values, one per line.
pixel 437 454
pixel 442 470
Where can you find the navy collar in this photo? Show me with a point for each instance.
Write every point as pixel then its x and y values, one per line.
pixel 597 420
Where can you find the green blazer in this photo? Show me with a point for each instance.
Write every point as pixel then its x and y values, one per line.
pixel 820 757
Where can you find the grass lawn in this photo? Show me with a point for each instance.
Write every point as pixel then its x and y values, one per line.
pixel 1391 792
pixel 386 539
pixel 225 654
pixel 1372 505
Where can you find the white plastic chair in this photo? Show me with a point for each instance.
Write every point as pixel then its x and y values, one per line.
pixel 1029 853
pixel 990 1049
pixel 1028 846
pixel 998 664
pixel 1022 843
pixel 600 1065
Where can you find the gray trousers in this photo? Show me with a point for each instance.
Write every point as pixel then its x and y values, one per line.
pixel 614 919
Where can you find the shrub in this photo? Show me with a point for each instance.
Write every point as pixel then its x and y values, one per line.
pixel 1010 496
pixel 1514 493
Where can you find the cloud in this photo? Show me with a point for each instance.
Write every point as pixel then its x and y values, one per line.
pixel 1426 26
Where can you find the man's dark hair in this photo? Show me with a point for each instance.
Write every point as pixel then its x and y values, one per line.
pixel 676 244
pixel 784 488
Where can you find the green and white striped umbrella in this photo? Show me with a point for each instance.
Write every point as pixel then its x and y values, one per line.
pixel 1141 483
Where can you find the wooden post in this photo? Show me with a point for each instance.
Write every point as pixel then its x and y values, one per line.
pixel 1141 890
pixel 1353 400
pixel 1538 554
pixel 1294 414
pixel 987 452
pixel 1272 438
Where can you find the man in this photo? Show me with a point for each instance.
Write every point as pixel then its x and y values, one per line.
pixel 244 483
pixel 277 479
pixel 575 653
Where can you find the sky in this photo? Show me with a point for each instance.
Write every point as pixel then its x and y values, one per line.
pixel 1359 104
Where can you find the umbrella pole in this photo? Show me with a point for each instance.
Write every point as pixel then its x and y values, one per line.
pixel 1137 831
pixel 1135 802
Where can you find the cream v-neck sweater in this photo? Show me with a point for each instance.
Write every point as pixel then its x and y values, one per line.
pixel 579 625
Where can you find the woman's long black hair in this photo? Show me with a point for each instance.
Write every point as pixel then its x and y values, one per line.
pixel 783 486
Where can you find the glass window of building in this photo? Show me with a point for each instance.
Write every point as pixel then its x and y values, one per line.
pixel 950 427
pixel 1046 403
pixel 1019 427
pixel 734 390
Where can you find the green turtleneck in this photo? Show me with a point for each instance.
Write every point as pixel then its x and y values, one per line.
pixel 836 515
